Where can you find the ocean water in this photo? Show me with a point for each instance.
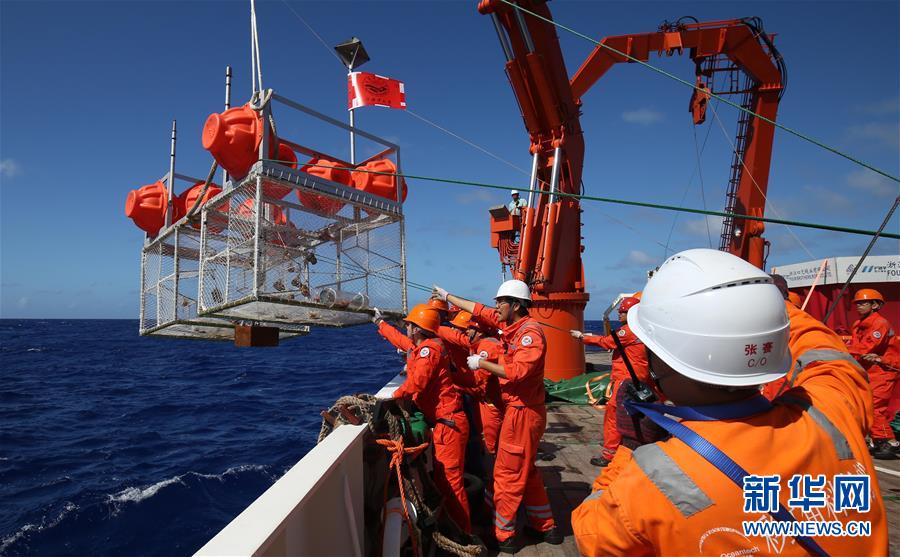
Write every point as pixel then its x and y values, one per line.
pixel 116 444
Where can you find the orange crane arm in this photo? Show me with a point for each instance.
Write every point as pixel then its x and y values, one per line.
pixel 748 49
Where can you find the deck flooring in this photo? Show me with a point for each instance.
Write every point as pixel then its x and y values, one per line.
pixel 573 436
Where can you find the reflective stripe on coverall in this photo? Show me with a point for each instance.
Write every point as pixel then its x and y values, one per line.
pixel 429 384
pixel 664 498
pixel 891 362
pixel 871 336
pixel 516 478
pixel 637 355
pixel 775 388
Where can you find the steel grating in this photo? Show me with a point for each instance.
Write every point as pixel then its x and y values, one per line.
pixel 170 266
pixel 319 253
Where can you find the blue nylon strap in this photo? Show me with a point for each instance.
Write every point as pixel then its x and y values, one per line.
pixel 713 412
pixel 714 456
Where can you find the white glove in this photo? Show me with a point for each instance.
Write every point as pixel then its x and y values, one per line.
pixel 438 292
pixel 377 316
pixel 577 334
pixel 474 361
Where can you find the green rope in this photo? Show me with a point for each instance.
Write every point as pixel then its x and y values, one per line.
pixel 801 224
pixel 706 92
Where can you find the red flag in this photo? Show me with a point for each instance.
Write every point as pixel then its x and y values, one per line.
pixel 368 89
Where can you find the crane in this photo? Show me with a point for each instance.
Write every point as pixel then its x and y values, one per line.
pixel 543 245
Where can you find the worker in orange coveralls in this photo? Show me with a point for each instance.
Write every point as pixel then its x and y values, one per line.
pixel 480 384
pixel 733 457
pixel 470 334
pixel 870 335
pixel 637 355
pixel 521 377
pixel 430 386
pixel 890 362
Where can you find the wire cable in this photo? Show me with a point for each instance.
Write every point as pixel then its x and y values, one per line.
pixel 769 204
pixel 802 224
pixel 710 93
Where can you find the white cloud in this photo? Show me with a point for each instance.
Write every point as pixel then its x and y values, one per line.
pixel 868 181
pixel 887 133
pixel 640 258
pixel 698 227
pixel 828 199
pixel 880 108
pixel 476 196
pixel 9 168
pixel 637 258
pixel 642 116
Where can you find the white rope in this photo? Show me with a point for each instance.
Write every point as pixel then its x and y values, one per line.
pixel 469 143
pixel 313 31
pixel 768 202
pixel 702 192
pixel 459 137
pixel 252 50
pixel 255 32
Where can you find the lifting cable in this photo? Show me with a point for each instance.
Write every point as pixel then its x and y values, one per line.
pixel 705 92
pixel 576 196
pixel 756 185
pixel 461 138
pixel 688 186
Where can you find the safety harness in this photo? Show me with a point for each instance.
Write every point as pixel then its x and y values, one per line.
pixel 755 405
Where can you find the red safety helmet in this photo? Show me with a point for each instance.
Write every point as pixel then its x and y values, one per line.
pixel 440 305
pixel 627 303
pixel 868 295
pixel 463 320
pixel 424 316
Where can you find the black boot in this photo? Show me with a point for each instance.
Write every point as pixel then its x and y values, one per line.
pixel 551 536
pixel 510 546
pixel 883 450
pixel 600 461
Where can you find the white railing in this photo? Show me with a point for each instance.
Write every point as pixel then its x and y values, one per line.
pixel 316 508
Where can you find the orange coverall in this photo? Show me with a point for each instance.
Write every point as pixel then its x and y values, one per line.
pixel 516 478
pixel 891 362
pixel 637 355
pixel 429 384
pixel 871 336
pixel 774 388
pixel 664 498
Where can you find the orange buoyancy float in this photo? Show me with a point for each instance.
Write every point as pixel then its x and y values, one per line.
pixel 287 157
pixel 189 196
pixel 329 170
pixel 379 178
pixel 276 216
pixel 146 206
pixel 233 138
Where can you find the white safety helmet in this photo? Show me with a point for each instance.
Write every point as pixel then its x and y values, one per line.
pixel 514 192
pixel 514 289
pixel 715 318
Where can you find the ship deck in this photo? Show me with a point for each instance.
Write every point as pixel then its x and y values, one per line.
pixel 573 436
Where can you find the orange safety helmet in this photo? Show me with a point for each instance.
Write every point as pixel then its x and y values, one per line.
pixel 795 299
pixel 638 294
pixel 425 317
pixel 868 295
pixel 440 305
pixel 463 320
pixel 627 303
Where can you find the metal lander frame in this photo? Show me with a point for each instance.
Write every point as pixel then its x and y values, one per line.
pixel 286 264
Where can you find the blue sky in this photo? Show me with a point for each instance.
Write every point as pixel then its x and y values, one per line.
pixel 88 91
